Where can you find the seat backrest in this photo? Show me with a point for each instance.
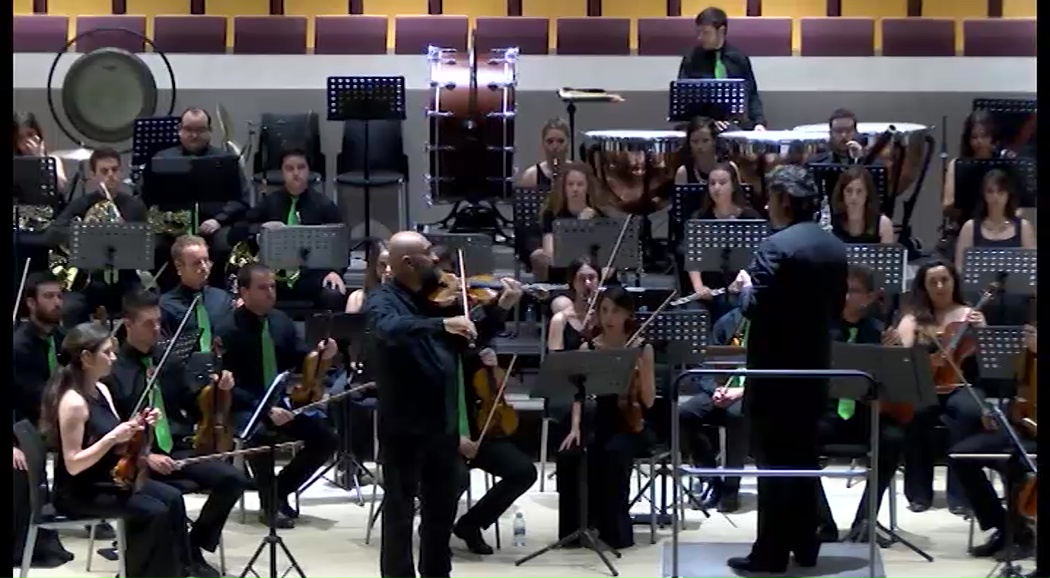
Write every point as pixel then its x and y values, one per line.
pixel 32 445
pixel 386 147
pixel 281 132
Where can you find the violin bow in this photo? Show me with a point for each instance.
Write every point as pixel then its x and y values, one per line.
pixel 606 270
pixel 463 282
pixel 151 381
pixel 638 332
pixel 495 400
pixel 21 289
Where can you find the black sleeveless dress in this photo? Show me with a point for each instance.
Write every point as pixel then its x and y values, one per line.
pixel 543 181
pixel 1007 308
pixel 72 490
pixel 867 237
pixel 979 240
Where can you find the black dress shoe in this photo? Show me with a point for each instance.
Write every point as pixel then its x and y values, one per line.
pixel 287 510
pixel 806 556
pixel 827 534
pixel 474 540
pixel 754 566
pixel 200 568
pixel 280 521
pixel 958 510
pixel 918 507
pixel 103 531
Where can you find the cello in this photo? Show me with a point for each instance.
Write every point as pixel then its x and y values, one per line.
pixel 214 431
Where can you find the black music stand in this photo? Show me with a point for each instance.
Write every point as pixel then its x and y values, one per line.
pixel 887 263
pixel 721 99
pixel 366 98
pixel 291 248
pixel 271 540
pixel 826 177
pixel 998 351
pixel 151 135
pixel 178 183
pixel 1010 117
pixel 111 247
pixel 686 200
pixel 722 245
pixel 902 376
pixel 969 176
pixel 575 238
pixel 680 338
pixel 526 205
pixel 34 183
pixel 983 265
pixel 477 250
pixel 567 375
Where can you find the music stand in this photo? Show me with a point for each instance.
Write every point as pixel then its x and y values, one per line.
pixel 292 248
pixel 575 238
pixel 998 350
pixel 887 263
pixel 686 200
pixel 902 376
pixel 175 183
pixel 722 245
pixel 720 99
pixel 1012 116
pixel 149 136
pixel 34 183
pixel 366 98
pixel 111 246
pixel 826 177
pixel 526 204
pixel 969 177
pixel 477 250
pixel 983 265
pixel 566 375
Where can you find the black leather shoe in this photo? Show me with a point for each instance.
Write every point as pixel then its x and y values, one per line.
pixel 474 540
pixel 755 566
pixel 103 531
pixel 200 568
pixel 958 510
pixel 918 507
pixel 806 557
pixel 281 522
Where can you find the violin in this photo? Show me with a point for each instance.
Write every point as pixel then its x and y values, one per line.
pixel 214 432
pixel 131 469
pixel 494 414
pixel 310 389
pixel 956 344
pixel 481 290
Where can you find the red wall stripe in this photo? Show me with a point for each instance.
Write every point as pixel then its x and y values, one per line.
pixel 594 7
pixel 197 7
pixel 754 7
pixel 514 7
pixel 277 7
pixel 834 8
pixel 995 8
pixel 120 7
pixel 914 8
pixel 355 7
pixel 674 7
pixel 435 7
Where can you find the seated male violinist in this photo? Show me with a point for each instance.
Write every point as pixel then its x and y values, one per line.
pixel 719 404
pixel 848 421
pixel 175 394
pixel 984 501
pixel 260 344
pixel 193 265
pixel 293 205
pixel 105 200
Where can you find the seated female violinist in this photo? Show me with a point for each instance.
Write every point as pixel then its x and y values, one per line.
pixel 995 222
pixel 616 433
pixel 725 200
pixel 573 197
pixel 937 306
pixel 378 272
pixel 566 330
pixel 703 152
pixel 855 216
pixel 555 145
pixel 847 421
pixel 79 417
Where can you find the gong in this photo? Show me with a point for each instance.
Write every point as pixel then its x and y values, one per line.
pixel 105 90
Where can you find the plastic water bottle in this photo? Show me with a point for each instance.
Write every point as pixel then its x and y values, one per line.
pixel 519 530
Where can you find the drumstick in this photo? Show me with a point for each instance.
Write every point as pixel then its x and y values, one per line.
pixel 605 270
pixel 21 288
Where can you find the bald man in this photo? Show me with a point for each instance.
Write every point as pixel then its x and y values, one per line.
pixel 416 351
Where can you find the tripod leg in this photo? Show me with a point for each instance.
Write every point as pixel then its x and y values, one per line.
pixel 291 559
pixel 559 544
pixel 251 561
pixel 896 538
pixel 590 541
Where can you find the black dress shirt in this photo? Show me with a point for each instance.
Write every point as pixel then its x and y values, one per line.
pixel 700 63
pixel 217 303
pixel 226 213
pixel 314 208
pixel 415 361
pixel 31 372
pixel 127 380
pixel 242 340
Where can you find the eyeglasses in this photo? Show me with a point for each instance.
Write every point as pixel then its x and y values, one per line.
pixel 195 131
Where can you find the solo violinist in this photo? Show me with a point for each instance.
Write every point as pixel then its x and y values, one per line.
pixel 175 395
pixel 619 434
pixel 936 303
pixel 80 418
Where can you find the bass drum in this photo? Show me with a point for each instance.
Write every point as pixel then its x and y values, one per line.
pixel 471 146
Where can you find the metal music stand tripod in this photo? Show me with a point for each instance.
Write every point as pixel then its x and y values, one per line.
pixel 34 184
pixel 584 373
pixel 305 247
pixel 365 99
pixel 902 376
pixel 111 247
pixel 595 238
pixel 721 99
pixel 680 338
pixel 722 245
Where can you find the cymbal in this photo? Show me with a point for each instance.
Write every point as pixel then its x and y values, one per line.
pixel 80 154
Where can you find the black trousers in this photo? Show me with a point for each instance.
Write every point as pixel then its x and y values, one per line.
pixel 155 520
pixel 516 473
pixel 961 416
pixel 784 416
pixel 695 417
pixel 47 541
pixel 319 445
pixel 428 467
pixel 309 287
pixel 224 484
pixel 856 430
pixel 976 487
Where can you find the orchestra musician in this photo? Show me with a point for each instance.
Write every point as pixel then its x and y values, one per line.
pixel 28 140
pixel 415 356
pixel 175 395
pixel 554 137
pixel 936 302
pixel 212 220
pixel 261 343
pixel 79 418
pixel 979 140
pixel 855 213
pixel 701 137
pixel 846 421
pixel 214 310
pixel 615 439
pixel 796 280
pixel 712 57
pixel 995 222
pixel 844 143
pixel 378 272
pixel 297 204
pixel 565 330
pixel 574 196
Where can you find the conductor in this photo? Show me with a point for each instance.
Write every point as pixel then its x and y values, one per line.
pixel 796 282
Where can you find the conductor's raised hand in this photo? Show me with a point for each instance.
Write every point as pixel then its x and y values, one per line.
pixel 328 348
pixel 461 326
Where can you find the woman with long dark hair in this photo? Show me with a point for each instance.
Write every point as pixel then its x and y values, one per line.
pixel 980 140
pixel 855 214
pixel 28 141
pixel 565 329
pixel 701 137
pixel 936 302
pixel 79 418
pixel 377 273
pixel 995 222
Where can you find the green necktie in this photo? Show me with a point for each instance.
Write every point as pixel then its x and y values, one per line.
pixel 292 220
pixel 204 324
pixel 848 407
pixel 269 355
pixel 52 356
pixel 720 67
pixel 161 429
pixel 739 380
pixel 461 402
